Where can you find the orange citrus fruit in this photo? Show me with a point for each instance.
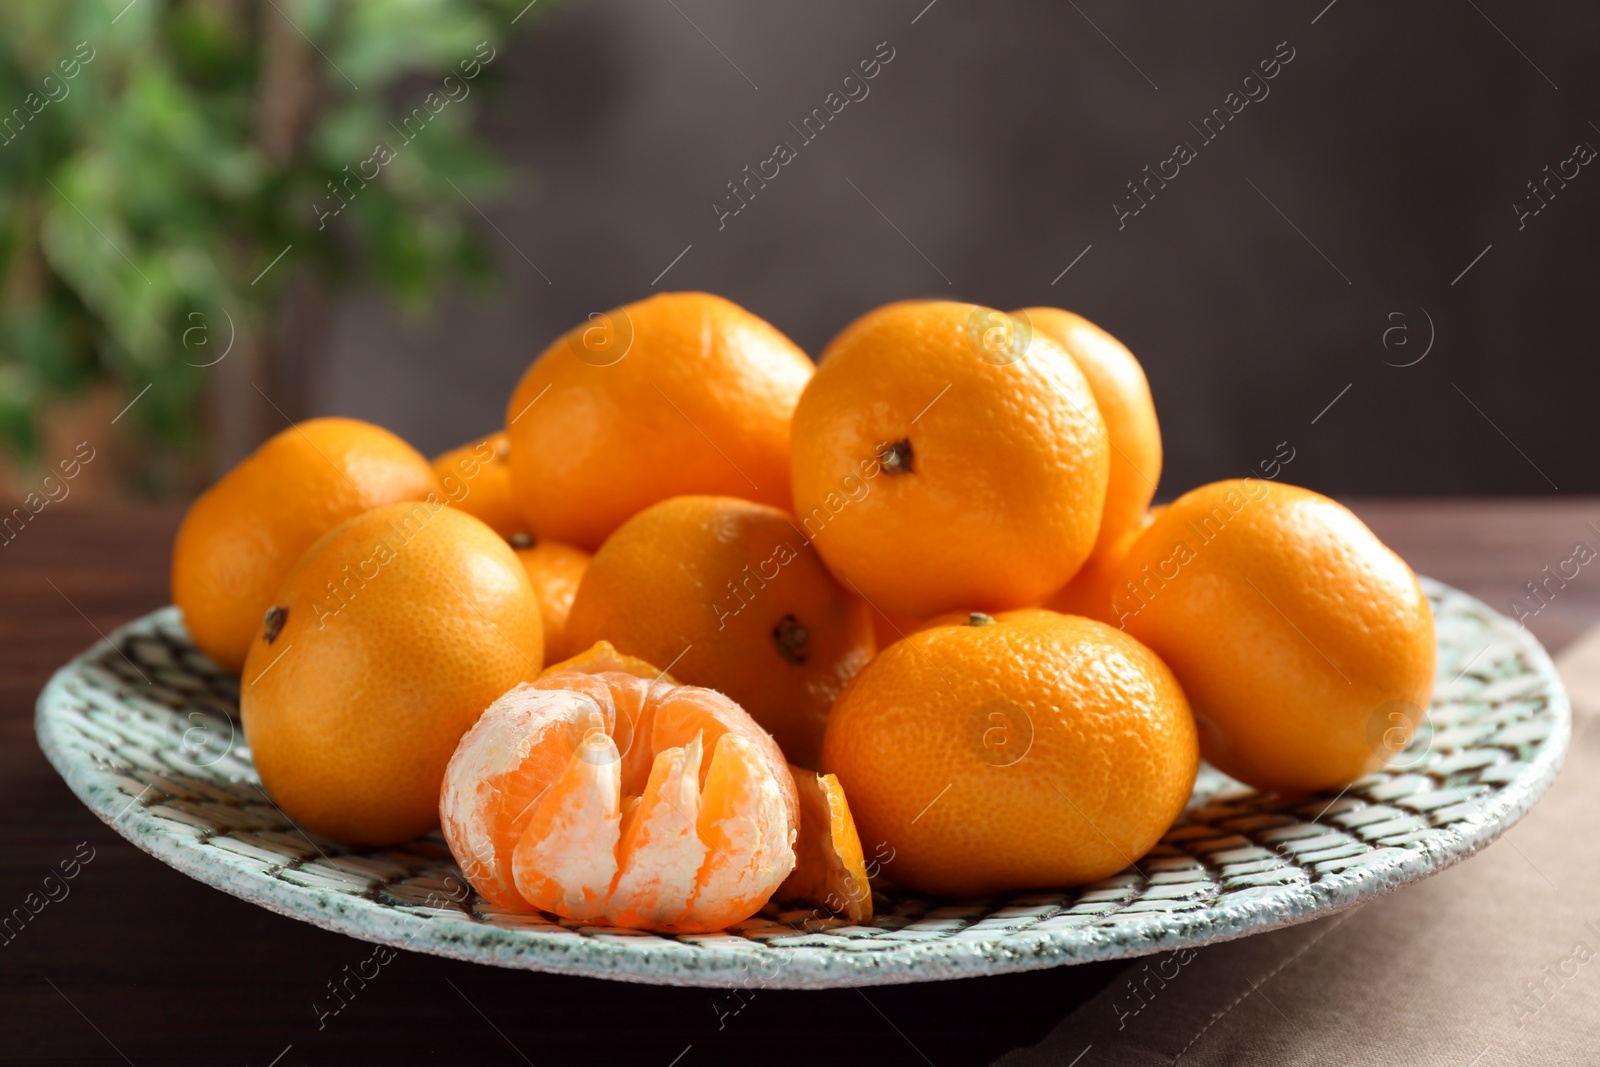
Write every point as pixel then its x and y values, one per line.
pixel 730 595
pixel 242 536
pixel 477 479
pixel 387 641
pixel 1022 750
pixel 940 462
pixel 829 868
pixel 1123 395
pixel 1094 588
pixel 607 792
pixel 680 393
pixel 1305 645
pixel 555 571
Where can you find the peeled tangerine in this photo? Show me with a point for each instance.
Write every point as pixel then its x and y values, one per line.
pixel 607 792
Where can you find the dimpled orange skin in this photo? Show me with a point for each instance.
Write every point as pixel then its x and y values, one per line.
pixel 1008 464
pixel 555 570
pixel 353 710
pixel 680 393
pixel 728 593
pixel 1123 394
pixel 971 803
pixel 1306 646
pixel 477 479
pixel 242 536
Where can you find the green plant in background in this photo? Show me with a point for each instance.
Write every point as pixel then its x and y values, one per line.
pixel 155 158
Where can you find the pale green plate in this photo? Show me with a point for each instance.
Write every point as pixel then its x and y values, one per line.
pixel 144 730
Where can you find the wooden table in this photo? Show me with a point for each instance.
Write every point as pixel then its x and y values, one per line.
pixel 140 964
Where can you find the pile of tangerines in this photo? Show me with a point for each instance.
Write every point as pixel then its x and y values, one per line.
pixel 704 617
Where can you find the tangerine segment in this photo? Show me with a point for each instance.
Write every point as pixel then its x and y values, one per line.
pixel 586 794
pixel 661 851
pixel 567 857
pixel 603 657
pixel 751 845
pixel 829 868
pixel 497 775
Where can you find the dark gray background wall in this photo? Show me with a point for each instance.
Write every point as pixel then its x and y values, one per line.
pixel 1256 287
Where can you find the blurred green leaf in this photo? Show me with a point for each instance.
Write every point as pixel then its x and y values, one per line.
pixel 138 184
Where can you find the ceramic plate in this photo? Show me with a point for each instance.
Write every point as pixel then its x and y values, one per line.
pixel 145 731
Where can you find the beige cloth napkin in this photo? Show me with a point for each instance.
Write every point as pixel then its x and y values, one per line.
pixel 1495 961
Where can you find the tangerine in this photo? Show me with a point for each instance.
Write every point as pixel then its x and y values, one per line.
pixel 1020 750
pixel 244 534
pixel 1123 396
pixel 477 479
pixel 731 596
pixel 680 393
pixel 938 464
pixel 1305 645
pixel 555 571
pixel 385 643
